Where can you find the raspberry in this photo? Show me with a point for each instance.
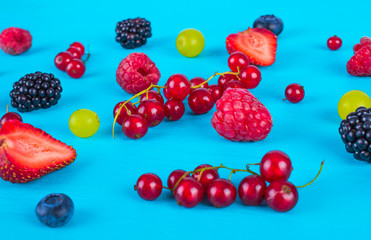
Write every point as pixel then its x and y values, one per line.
pixel 360 63
pixel 136 72
pixel 241 117
pixel 15 41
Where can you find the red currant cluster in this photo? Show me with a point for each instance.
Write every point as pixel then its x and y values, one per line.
pixel 190 187
pixel 70 60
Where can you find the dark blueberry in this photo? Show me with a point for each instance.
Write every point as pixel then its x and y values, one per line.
pixel 270 22
pixel 133 33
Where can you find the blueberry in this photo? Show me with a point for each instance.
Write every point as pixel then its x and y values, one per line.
pixel 270 22
pixel 55 210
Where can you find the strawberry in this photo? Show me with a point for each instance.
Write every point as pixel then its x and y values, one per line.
pixel 28 153
pixel 360 63
pixel 258 44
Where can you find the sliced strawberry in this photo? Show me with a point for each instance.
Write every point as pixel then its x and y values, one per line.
pixel 28 153
pixel 258 44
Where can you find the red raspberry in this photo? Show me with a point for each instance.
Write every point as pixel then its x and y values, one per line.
pixel 241 117
pixel 136 72
pixel 360 63
pixel 15 41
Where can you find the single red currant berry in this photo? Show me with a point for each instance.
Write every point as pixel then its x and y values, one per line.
pixel 221 193
pixel 152 111
pixel 252 189
pixel 189 192
pixel 250 76
pixel 166 94
pixel 174 178
pixel 226 78
pixel 10 116
pixel 79 47
pixel 62 60
pixel 125 112
pixel 178 87
pixel 216 91
pixel 174 109
pixel 201 101
pixel 197 81
pixel 294 92
pixel 76 68
pixel 207 177
pixel 275 166
pixel 237 61
pixel 234 84
pixel 334 43
pixel 152 94
pixel 135 127
pixel 74 52
pixel 149 186
pixel 281 196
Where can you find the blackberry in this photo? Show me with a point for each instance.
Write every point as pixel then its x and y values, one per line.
pixel 270 22
pixel 355 132
pixel 35 91
pixel 133 33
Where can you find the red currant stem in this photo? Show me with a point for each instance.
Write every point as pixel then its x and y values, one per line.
pixel 284 99
pixel 87 58
pixel 251 164
pixel 139 99
pixel 215 74
pixel 166 188
pixel 7 108
pixel 314 179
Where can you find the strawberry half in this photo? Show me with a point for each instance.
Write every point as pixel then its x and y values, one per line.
pixel 258 44
pixel 28 153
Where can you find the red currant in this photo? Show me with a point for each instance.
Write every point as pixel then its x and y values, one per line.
pixel 201 101
pixel 131 109
pixel 282 196
pixel 75 52
pixel 166 94
pixel 135 127
pixel 174 178
pixel 149 186
pixel 189 192
pixel 237 61
pixel 226 78
pixel 334 43
pixel 152 111
pixel 178 87
pixel 294 92
pixel 275 166
pixel 76 68
pixel 197 81
pixel 234 84
pixel 10 116
pixel 250 76
pixel 152 94
pixel 174 109
pixel 216 91
pixel 251 190
pixel 207 177
pixel 79 47
pixel 221 193
pixel 62 60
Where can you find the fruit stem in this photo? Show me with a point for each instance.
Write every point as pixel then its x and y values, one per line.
pixel 7 108
pixel 314 179
pixel 215 74
pixel 166 188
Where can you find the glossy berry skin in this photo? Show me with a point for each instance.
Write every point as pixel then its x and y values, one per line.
pixel 237 61
pixel 234 84
pixel 294 93
pixel 189 192
pixel 281 196
pixel 207 177
pixel 275 166
pixel 55 210
pixel 222 80
pixel 124 113
pixel 250 76
pixel 149 186
pixel 152 111
pixel 269 22
pixel 10 116
pixel 334 43
pixel 152 94
pixel 166 94
pixel 79 47
pixel 135 127
pixel 174 177
pixel 252 189
pixel 201 101
pixel 221 193
pixel 174 109
pixel 62 60
pixel 197 81
pixel 178 87
pixel 75 52
pixel 76 68
pixel 216 91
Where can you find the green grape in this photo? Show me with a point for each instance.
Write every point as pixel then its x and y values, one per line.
pixel 352 100
pixel 190 42
pixel 84 123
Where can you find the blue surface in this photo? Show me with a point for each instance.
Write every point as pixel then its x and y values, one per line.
pixel 101 180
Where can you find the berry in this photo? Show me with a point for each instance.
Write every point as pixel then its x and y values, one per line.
pixel 269 22
pixel 125 112
pixel 135 127
pixel 10 116
pixel 35 91
pixel 197 81
pixel 174 109
pixel 166 94
pixel 352 100
pixel 275 166
pixel 334 43
pixel 365 41
pixel 201 101
pixel 55 210
pixel 136 72
pixel 75 52
pixel 281 196
pixel 149 186
pixel 133 33
pixel 79 47
pixel 251 190
pixel 225 79
pixel 190 42
pixel 216 91
pixel 258 44
pixel 152 94
pixel 234 84
pixel 84 123
pixel 15 41
pixel 221 193
pixel 294 92
pixel 189 192
pixel 241 117
pixel 76 68
pixel 178 87
pixel 152 111
pixel 237 61
pixel 360 63
pixel 174 178
pixel 250 76
pixel 207 177
pixel 62 60
pixel 28 153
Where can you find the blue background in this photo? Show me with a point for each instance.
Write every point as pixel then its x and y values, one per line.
pixel 101 180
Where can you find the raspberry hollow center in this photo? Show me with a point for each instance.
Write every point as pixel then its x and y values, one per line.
pixel 142 72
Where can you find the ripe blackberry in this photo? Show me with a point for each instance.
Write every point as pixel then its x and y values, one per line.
pixel 34 91
pixel 355 132
pixel 133 33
